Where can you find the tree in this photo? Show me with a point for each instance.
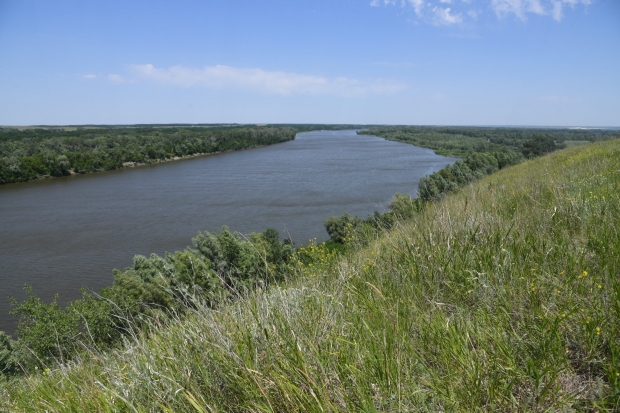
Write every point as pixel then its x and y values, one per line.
pixel 9 364
pixel 539 145
pixel 341 228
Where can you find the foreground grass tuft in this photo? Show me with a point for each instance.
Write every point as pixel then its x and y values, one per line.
pixel 503 297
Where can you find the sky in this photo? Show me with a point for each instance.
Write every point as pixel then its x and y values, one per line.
pixel 415 62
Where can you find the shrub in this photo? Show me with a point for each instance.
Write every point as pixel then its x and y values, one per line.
pixel 538 146
pixel 8 363
pixel 340 229
pixel 221 266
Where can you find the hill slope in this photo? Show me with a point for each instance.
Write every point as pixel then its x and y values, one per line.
pixel 505 296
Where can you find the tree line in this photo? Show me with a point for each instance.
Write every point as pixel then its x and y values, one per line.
pixel 61 151
pixel 460 141
pixel 32 154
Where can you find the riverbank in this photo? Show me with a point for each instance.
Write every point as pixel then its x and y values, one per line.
pixel 154 162
pixel 501 297
pixel 459 141
pixel 180 158
pixel 29 155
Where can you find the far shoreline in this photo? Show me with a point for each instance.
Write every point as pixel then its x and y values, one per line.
pixel 131 165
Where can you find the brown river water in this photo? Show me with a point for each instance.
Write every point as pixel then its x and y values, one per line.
pixel 59 235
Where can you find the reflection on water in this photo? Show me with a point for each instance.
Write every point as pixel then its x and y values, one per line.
pixel 61 234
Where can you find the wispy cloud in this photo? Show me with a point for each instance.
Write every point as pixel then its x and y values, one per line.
pixel 474 13
pixel 376 3
pixel 517 7
pixel 418 5
pixel 114 78
pixel 558 7
pixel 556 12
pixel 444 17
pixel 520 8
pixel 89 76
pixel 435 12
pixel 262 81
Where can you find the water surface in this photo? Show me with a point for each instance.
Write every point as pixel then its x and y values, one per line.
pixel 61 234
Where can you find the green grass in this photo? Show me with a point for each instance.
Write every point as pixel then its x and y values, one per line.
pixel 503 297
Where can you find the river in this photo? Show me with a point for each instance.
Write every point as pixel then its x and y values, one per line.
pixel 60 234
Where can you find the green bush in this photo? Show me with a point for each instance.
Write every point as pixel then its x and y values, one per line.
pixel 48 330
pixel 222 266
pixel 461 173
pixel 9 364
pixel 341 229
pixel 403 206
pixel 539 145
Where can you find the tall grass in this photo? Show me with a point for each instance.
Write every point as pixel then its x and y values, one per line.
pixel 503 297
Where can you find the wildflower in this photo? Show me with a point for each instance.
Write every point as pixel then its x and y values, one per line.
pixel 600 286
pixel 585 273
pixel 598 331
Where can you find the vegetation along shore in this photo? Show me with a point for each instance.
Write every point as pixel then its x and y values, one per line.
pixel 34 153
pixel 486 293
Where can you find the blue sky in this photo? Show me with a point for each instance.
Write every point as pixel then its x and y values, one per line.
pixel 423 62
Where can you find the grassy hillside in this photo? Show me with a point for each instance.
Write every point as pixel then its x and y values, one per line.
pixel 505 296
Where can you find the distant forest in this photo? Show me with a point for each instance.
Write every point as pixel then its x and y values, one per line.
pixel 33 153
